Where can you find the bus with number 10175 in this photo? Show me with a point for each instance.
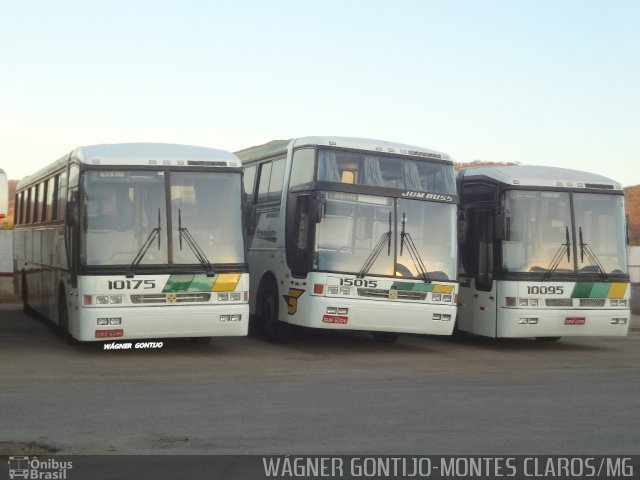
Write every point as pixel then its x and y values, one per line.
pixel 543 253
pixel 134 241
pixel 351 234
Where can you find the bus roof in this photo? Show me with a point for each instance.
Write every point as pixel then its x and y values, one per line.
pixel 141 154
pixel 279 146
pixel 540 176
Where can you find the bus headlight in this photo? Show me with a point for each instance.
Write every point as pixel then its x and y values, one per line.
pixel 446 298
pixel 102 299
pixel 436 297
pixel 223 297
pixel 332 290
pixel 115 299
pixel 345 290
pixel 236 296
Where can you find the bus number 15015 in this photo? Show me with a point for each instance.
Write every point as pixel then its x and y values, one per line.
pixel 545 290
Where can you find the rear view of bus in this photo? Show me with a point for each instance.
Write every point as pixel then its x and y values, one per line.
pixel 543 253
pixel 351 234
pixel 135 241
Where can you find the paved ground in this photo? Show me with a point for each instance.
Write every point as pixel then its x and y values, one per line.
pixel 323 394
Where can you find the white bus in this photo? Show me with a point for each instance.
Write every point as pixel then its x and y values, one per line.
pixel 542 253
pixel 4 194
pixel 134 241
pixel 351 234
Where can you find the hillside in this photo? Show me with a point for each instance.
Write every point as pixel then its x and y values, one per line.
pixel 632 207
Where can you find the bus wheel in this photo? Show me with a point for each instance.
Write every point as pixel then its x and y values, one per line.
pixel 548 339
pixel 273 329
pixel 384 337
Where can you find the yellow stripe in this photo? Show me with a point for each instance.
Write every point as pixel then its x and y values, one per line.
pixel 442 289
pixel 226 282
pixel 617 290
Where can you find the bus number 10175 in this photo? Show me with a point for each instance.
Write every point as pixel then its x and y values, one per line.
pixel 131 284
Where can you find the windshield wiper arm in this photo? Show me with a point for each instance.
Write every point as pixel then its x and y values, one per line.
pixel 144 248
pixel 557 258
pixel 195 248
pixel 591 256
pixel 413 251
pixel 385 237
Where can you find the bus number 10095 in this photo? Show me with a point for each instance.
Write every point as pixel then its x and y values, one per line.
pixel 545 290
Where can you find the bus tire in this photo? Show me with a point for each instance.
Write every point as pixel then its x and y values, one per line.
pixel 384 337
pixel 548 339
pixel 273 330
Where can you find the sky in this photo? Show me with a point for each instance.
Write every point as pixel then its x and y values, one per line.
pixel 542 82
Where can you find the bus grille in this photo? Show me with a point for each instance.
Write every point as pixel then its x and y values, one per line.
pixel 558 302
pixel 381 293
pixel 162 298
pixel 592 302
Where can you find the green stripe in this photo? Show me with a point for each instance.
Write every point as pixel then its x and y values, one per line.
pixel 178 283
pixel 590 290
pixel 201 283
pixel 413 287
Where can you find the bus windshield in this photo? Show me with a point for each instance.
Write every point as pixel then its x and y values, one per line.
pixel 539 224
pixel 353 225
pixel 600 219
pixel 372 170
pixel 123 210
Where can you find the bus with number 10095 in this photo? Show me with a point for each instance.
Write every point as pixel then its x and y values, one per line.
pixel 351 234
pixel 134 241
pixel 542 253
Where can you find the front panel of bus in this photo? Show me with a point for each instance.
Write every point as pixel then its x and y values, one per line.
pixel 560 265
pixel 371 242
pixel 161 254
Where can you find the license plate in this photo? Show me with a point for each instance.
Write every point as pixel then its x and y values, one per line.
pixel 117 332
pixel 575 320
pixel 339 319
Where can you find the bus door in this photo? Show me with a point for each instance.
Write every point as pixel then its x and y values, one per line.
pixel 484 295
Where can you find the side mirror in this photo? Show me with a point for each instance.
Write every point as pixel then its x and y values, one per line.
pixel 72 217
pixel 317 210
pixel 463 227
pixel 502 226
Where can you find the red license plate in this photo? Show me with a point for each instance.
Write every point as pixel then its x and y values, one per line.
pixel 117 332
pixel 339 319
pixel 575 321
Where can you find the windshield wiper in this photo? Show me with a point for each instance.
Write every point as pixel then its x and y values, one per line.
pixel 557 258
pixel 195 248
pixel 144 248
pixel 413 251
pixel 591 256
pixel 386 237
